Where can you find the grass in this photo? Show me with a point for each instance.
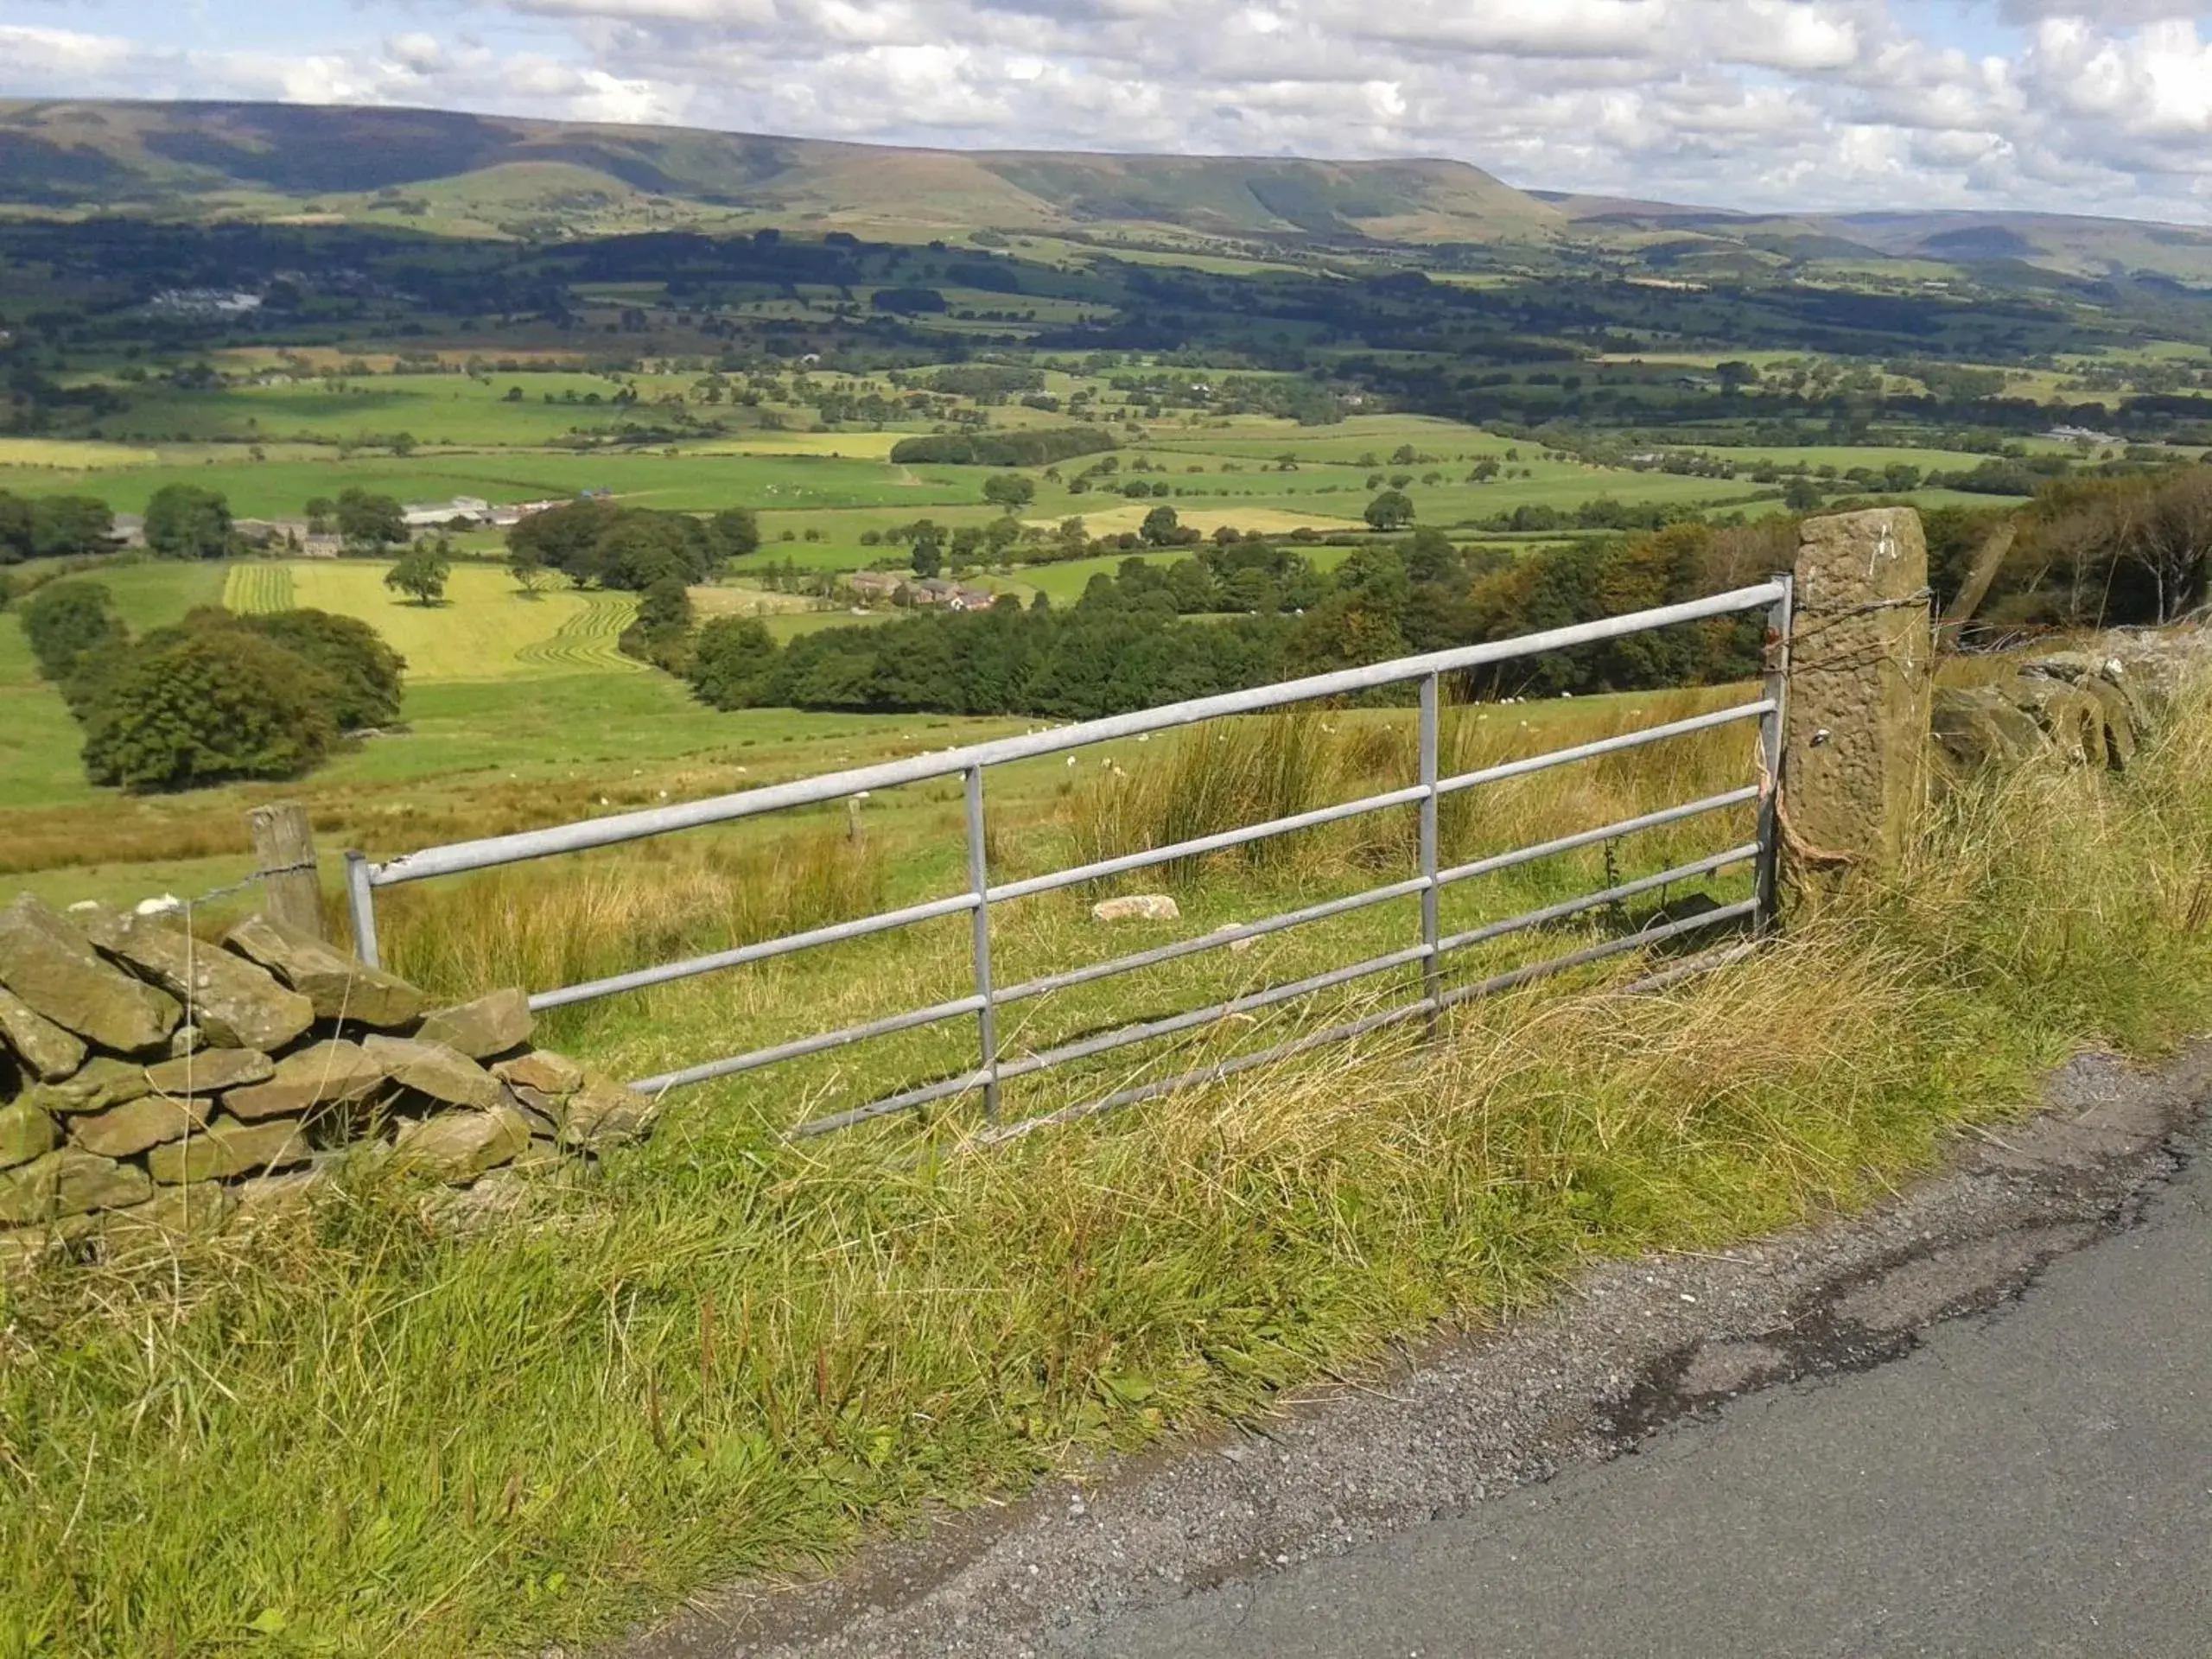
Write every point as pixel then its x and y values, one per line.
pixel 257 589
pixel 727 1353
pixel 485 628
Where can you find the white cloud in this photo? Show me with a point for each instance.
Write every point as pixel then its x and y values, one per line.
pixel 2098 106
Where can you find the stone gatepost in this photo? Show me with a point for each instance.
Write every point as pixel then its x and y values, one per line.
pixel 1861 678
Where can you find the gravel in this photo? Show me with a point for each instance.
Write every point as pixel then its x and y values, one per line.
pixel 1633 1347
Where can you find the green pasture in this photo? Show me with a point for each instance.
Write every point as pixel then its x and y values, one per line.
pixel 279 488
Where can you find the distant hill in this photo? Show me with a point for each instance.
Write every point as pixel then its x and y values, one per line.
pixel 497 176
pixel 491 173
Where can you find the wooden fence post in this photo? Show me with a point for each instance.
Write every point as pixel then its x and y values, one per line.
pixel 283 848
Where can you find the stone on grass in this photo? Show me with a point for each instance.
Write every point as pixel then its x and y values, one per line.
pixel 540 1110
pixel 122 1130
pixel 271 1198
pixel 210 1071
pixel 1975 727
pixel 234 1003
pixel 547 1072
pixel 498 1200
pixel 104 1082
pixel 334 1073
pixel 52 969
pixel 432 1069
pixel 69 1182
pixel 337 986
pixel 490 1025
pixel 47 1051
pixel 604 1111
pixel 25 1132
pixel 460 1146
pixel 1145 907
pixel 172 1213
pixel 227 1148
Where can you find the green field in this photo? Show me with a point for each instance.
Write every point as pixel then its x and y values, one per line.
pixel 485 628
pixel 282 486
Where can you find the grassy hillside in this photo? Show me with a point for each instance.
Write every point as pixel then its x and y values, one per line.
pixel 499 174
pixel 459 174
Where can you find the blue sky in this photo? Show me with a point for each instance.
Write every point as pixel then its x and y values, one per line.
pixel 2085 105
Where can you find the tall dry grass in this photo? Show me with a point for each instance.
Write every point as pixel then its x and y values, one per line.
pixel 561 921
pixel 1242 772
pixel 724 1353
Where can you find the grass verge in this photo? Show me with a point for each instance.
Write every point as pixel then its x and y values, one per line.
pixel 728 1354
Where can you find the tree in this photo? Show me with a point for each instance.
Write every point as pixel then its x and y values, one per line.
pixel 1010 490
pixel 186 522
pixel 1392 510
pixel 362 671
pixel 929 554
pixel 526 564
pixel 322 510
pixel 733 661
pixel 66 622
pixel 1801 495
pixel 16 532
pixel 736 532
pixel 63 525
pixel 661 634
pixel 422 571
pixel 206 705
pixel 1735 375
pixel 368 523
pixel 1160 525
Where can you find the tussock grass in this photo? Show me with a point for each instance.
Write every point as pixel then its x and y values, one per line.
pixel 546 924
pixel 726 1353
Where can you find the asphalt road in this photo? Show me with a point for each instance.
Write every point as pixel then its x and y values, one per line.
pixel 2032 1480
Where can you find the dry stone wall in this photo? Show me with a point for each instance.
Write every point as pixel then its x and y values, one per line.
pixel 153 1083
pixel 2092 707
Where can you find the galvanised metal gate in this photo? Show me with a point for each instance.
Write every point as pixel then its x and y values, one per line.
pixel 987 997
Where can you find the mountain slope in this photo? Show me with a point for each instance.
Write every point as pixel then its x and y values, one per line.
pixel 179 157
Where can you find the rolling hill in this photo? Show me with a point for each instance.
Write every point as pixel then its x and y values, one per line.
pixel 461 174
pixel 269 159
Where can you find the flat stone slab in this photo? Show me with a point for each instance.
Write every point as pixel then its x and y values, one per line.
pixel 602 1112
pixel 174 1212
pixel 54 970
pixel 445 1075
pixel 25 1132
pixel 337 986
pixel 1144 907
pixel 491 1025
pixel 227 1148
pixel 69 1182
pixel 460 1146
pixel 210 1071
pixel 122 1131
pixel 104 1082
pixel 234 1003
pixel 334 1073
pixel 547 1072
pixel 49 1052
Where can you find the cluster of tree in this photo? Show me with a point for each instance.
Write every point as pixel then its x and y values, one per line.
pixel 1121 647
pixel 597 541
pixel 366 522
pixel 2108 551
pixel 214 697
pixel 1040 448
pixel 985 381
pixel 661 634
pixel 51 526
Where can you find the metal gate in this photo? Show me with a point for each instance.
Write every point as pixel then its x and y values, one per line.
pixel 988 998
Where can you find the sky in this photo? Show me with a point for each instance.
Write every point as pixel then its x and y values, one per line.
pixel 2099 106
